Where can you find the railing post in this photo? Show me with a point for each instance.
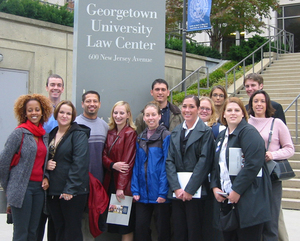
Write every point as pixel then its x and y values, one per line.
pixel 296 121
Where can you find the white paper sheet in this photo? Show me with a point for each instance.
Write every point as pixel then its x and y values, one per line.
pixel 119 212
pixel 183 178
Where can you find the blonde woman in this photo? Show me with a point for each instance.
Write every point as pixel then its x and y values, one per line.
pixel 118 159
pixel 209 116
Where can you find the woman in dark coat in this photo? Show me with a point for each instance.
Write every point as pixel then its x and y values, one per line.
pixel 118 159
pixel 249 190
pixel 68 166
pixel 191 150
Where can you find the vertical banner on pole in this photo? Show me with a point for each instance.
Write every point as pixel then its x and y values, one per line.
pixel 119 49
pixel 199 15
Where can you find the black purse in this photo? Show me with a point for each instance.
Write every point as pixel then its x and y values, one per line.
pixel 228 219
pixel 279 170
pixel 9 219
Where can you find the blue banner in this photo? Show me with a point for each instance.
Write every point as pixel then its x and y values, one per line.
pixel 199 15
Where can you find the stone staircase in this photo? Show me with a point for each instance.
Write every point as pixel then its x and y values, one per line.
pixel 282 83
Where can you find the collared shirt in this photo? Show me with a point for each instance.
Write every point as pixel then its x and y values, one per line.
pixel 224 174
pixel 165 116
pixel 187 130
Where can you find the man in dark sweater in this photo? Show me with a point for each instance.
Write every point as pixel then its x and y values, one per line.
pixel 170 114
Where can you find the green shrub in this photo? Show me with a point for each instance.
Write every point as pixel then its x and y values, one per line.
pixel 238 53
pixel 192 48
pixel 36 10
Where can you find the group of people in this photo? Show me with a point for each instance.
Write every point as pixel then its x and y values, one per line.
pixel 174 163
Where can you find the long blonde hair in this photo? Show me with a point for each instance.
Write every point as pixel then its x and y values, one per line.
pixel 214 116
pixel 111 122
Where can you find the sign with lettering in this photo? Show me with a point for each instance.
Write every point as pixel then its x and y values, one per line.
pixel 199 15
pixel 119 49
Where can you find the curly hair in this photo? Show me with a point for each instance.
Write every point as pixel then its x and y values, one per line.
pixel 20 107
pixel 111 123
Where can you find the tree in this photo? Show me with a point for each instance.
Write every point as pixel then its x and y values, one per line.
pixel 173 14
pixel 229 16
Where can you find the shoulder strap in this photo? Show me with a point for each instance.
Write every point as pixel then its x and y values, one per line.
pixel 270 134
pixel 112 145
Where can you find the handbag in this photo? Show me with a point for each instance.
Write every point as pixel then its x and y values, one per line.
pixel 9 219
pixel 229 220
pixel 16 158
pixel 282 169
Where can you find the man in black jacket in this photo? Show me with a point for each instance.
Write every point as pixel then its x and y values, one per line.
pixel 254 82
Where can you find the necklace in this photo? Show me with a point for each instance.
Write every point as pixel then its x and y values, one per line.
pixel 53 145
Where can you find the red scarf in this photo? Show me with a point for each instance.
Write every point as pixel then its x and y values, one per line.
pixel 35 130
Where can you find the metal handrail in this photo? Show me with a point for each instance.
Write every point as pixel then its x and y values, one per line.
pixel 295 101
pixel 197 71
pixel 288 39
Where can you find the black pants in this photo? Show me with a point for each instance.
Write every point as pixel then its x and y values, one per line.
pixel 188 218
pixel 67 217
pixel 50 230
pixel 252 233
pixel 162 212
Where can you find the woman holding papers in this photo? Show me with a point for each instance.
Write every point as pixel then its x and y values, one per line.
pixel 189 160
pixel 281 147
pixel 149 184
pixel 118 159
pixel 248 188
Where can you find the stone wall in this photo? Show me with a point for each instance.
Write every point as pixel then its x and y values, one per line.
pixel 43 48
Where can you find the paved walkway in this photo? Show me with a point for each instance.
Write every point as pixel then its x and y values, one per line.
pixel 292 219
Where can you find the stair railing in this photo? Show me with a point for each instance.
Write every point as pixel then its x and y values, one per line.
pixel 196 75
pixel 282 37
pixel 295 101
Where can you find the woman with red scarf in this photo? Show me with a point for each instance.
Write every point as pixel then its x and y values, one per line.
pixel 25 182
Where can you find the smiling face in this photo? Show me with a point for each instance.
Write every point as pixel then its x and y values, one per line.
pixel 218 97
pixel 91 105
pixel 120 116
pixel 34 112
pixel 251 86
pixel 189 111
pixel 205 110
pixel 151 117
pixel 233 115
pixel 160 93
pixel 64 116
pixel 259 105
pixel 55 88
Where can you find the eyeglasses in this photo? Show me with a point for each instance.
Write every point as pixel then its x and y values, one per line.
pixel 216 95
pixel 207 109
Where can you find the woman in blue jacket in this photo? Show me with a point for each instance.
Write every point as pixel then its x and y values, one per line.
pixel 149 184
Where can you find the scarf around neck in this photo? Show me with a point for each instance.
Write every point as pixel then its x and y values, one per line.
pixel 35 130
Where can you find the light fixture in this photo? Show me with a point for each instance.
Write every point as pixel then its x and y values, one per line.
pixel 1 57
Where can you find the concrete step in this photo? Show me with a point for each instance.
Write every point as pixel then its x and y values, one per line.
pixel 282 83
pixel 291 193
pixel 274 90
pixel 290 203
pixel 281 69
pixel 292 183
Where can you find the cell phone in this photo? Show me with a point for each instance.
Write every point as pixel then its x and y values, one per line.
pixel 223 194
